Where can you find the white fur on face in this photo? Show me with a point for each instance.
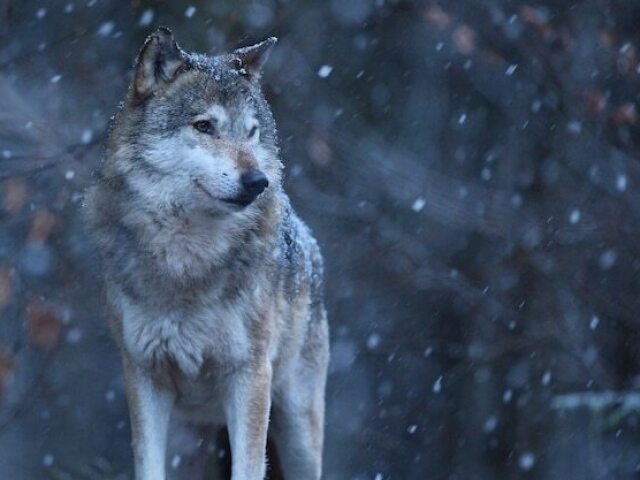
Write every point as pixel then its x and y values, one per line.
pixel 200 172
pixel 186 163
pixel 218 113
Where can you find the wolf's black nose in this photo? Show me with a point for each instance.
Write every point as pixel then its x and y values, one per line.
pixel 254 181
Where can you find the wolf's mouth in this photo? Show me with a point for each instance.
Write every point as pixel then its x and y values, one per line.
pixel 241 200
pixel 201 188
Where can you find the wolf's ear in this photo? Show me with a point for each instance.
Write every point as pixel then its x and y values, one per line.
pixel 250 60
pixel 158 62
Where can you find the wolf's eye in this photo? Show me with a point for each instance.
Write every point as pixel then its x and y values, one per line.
pixel 253 131
pixel 204 126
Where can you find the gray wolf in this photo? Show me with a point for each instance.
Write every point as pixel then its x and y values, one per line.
pixel 213 284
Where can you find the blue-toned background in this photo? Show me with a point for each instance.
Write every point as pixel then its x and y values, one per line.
pixel 471 171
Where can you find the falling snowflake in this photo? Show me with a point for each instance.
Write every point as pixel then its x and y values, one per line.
pixel 511 69
pixel 87 136
pixel 490 424
pixel 607 259
pixel 574 216
pixel 507 395
pixel 106 29
pixel 373 341
pixel 74 335
pixel 437 385
pixel 574 127
pixel 527 461
pixel 146 18
pixel 418 204
pixel 324 71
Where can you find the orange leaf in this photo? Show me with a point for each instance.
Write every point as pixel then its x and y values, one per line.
pixel 437 17
pixel 320 150
pixel 596 102
pixel 607 38
pixel 15 195
pixel 533 16
pixel 625 114
pixel 43 326
pixel 43 224
pixel 464 38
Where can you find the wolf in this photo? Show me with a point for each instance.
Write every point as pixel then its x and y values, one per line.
pixel 213 284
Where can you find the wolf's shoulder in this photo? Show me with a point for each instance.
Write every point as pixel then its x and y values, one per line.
pixel 301 257
pixel 297 239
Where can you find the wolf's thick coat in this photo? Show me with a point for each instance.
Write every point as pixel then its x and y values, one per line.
pixel 217 308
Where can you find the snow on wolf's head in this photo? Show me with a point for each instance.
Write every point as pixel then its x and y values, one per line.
pixel 195 132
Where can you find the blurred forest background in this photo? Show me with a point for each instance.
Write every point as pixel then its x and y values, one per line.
pixel 470 169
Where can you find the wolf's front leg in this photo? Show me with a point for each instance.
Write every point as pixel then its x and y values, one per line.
pixel 298 426
pixel 150 411
pixel 247 414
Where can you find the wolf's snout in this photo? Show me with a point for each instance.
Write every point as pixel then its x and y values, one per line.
pixel 254 182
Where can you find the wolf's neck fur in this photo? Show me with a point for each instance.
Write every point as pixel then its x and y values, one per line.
pixel 175 254
pixel 190 247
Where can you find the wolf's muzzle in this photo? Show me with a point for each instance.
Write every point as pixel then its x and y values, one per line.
pixel 254 182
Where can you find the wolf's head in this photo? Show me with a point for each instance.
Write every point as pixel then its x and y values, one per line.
pixel 195 132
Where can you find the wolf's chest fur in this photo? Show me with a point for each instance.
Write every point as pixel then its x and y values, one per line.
pixel 186 339
pixel 179 309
